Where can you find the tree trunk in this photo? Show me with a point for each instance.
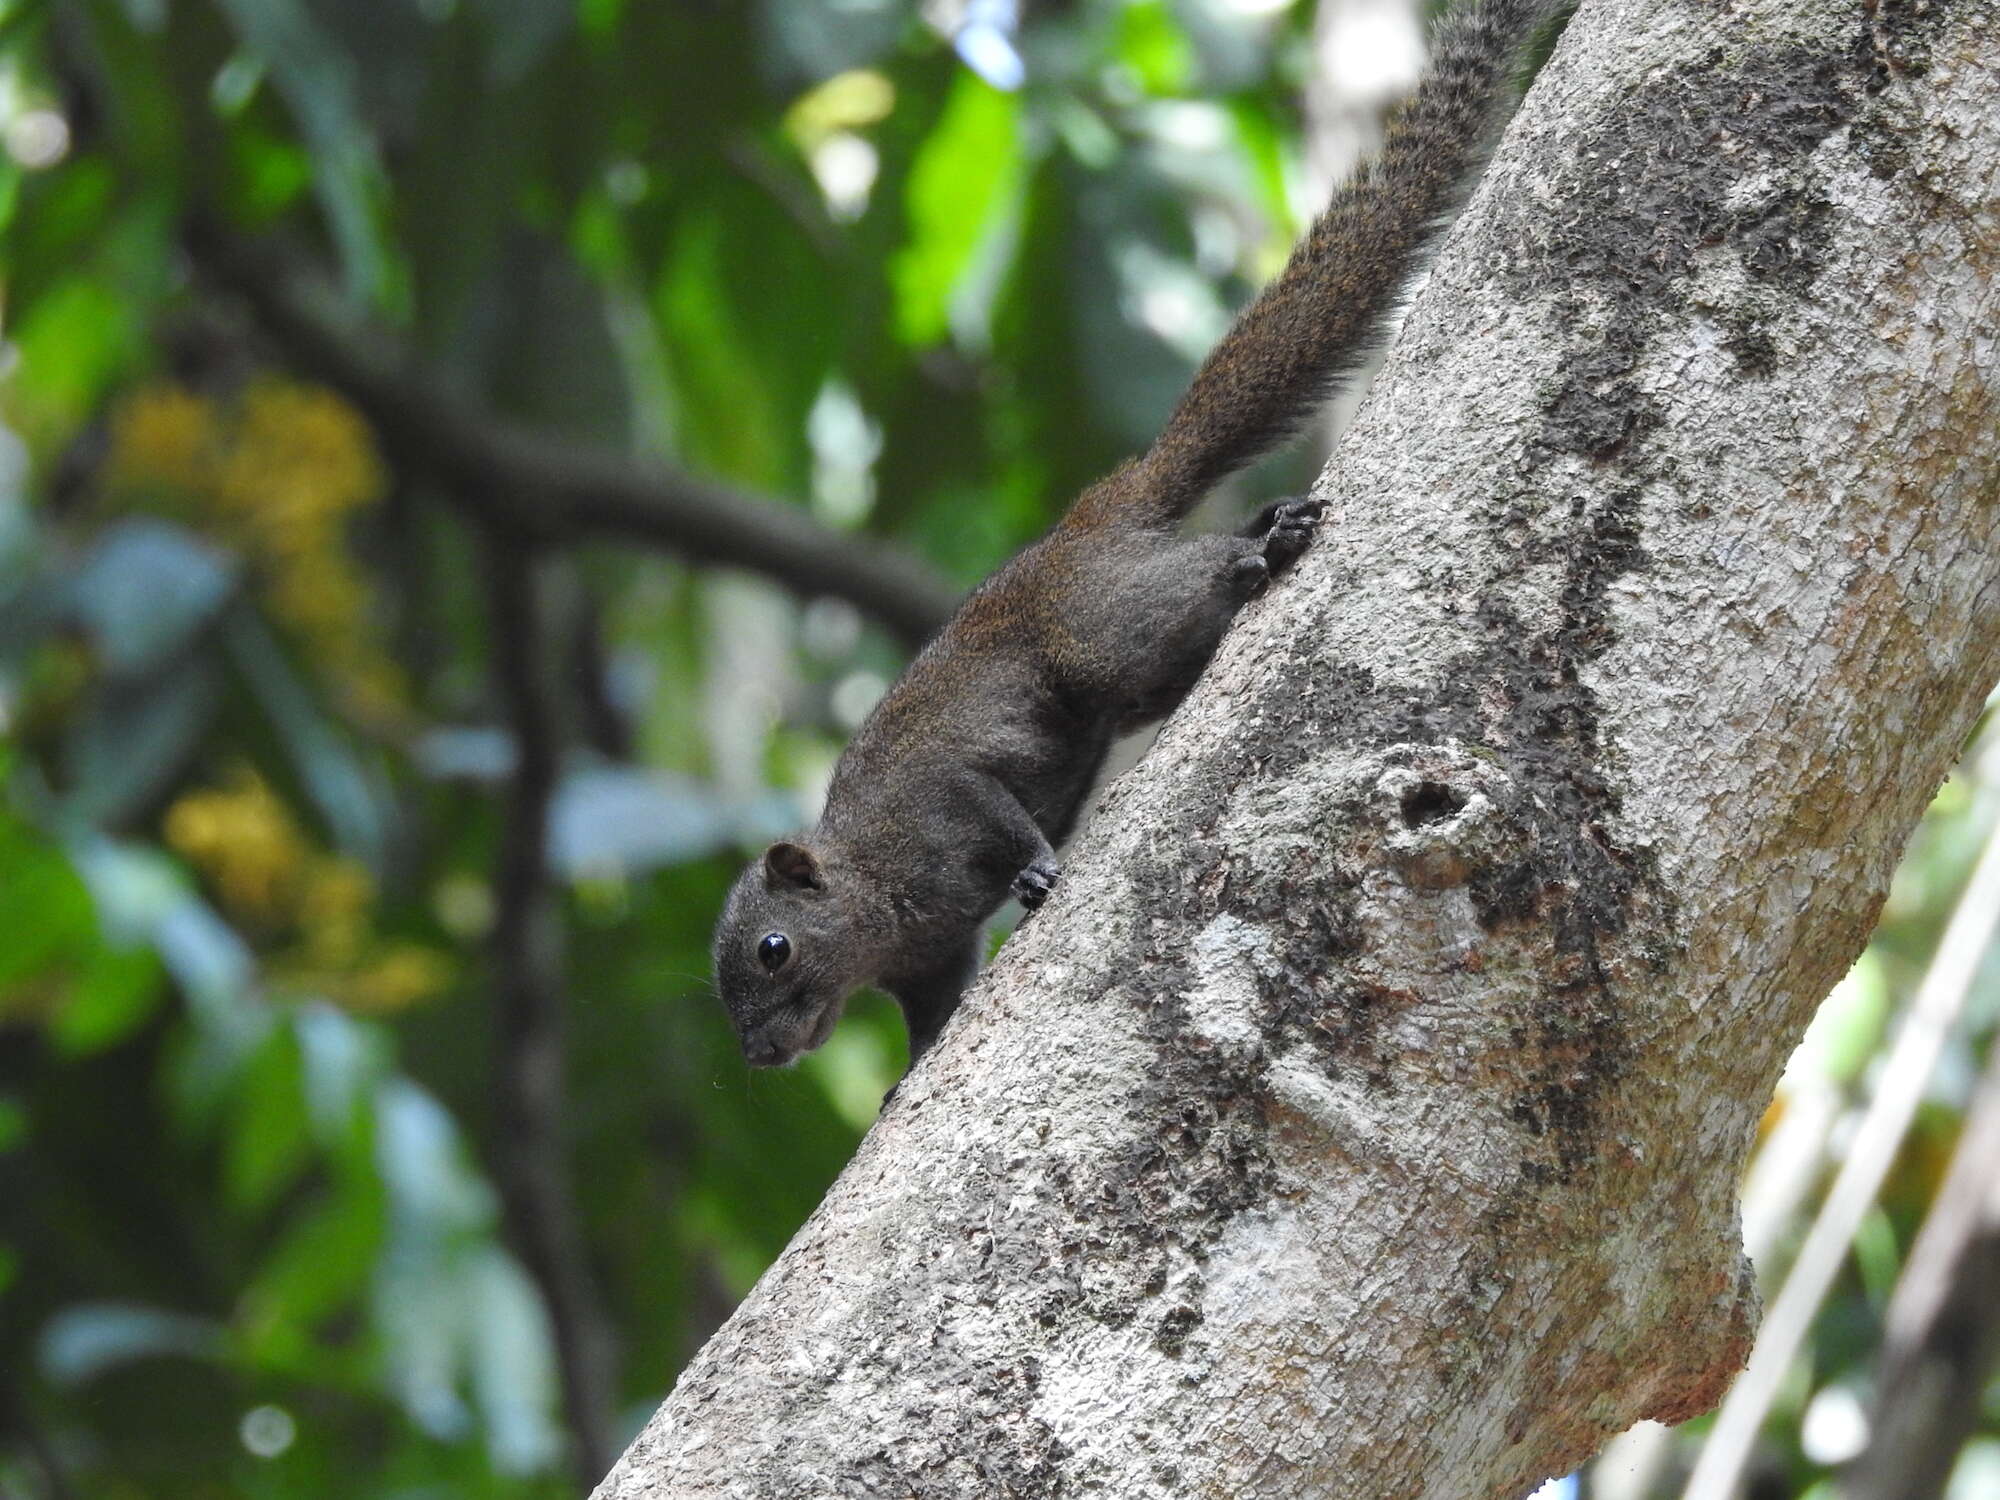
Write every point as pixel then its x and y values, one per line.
pixel 1364 1114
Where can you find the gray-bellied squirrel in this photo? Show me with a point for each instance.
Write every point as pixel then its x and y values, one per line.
pixel 954 792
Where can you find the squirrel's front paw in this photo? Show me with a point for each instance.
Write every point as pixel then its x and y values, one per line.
pixel 1292 524
pixel 1032 886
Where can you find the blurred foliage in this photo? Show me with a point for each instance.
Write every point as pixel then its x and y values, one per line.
pixel 923 270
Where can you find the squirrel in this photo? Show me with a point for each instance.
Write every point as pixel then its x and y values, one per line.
pixel 956 789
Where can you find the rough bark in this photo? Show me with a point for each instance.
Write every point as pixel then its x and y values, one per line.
pixel 1364 1114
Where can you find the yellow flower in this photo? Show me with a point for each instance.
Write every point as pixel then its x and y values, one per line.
pixel 275 474
pixel 335 899
pixel 243 839
pixel 404 974
pixel 319 595
pixel 161 435
pixel 373 691
pixel 299 453
pixel 320 907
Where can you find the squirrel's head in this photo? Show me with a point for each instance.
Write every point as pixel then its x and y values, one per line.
pixel 788 953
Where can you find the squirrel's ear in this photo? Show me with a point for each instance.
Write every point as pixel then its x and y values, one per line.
pixel 792 865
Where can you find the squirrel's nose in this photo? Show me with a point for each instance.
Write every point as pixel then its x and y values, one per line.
pixel 762 1052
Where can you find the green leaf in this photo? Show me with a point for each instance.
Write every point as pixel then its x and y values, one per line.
pixel 317 80
pixel 113 993
pixel 319 1268
pixel 966 173
pixel 599 18
pixel 340 786
pixel 1227 45
pixel 141 896
pixel 74 341
pixel 62 211
pixel 49 918
pixel 85 1340
pixel 1876 1255
pixel 267 175
pixel 1846 1031
pixel 419 1312
pixel 815 39
pixel 1262 144
pixel 1120 267
pixel 615 820
pixel 856 1068
pixel 18 17
pixel 133 737
pixel 434 1196
pixel 513 1364
pixel 13 1122
pixel 1153 45
pixel 344 1062
pixel 742 305
pixel 267 1144
pixel 519 33
pixel 10 192
pixel 58 966
pixel 145 588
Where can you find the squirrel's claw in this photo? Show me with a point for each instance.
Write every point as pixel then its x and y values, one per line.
pixel 1032 886
pixel 1292 525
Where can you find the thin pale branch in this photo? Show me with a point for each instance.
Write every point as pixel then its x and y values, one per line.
pixel 1942 1341
pixel 1905 1075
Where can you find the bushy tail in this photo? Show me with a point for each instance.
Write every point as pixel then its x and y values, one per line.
pixel 1314 325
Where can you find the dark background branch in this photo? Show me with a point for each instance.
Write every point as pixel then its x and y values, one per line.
pixel 528 985
pixel 551 489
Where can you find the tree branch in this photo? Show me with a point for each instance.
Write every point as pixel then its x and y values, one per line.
pixel 552 490
pixel 1363 1115
pixel 528 991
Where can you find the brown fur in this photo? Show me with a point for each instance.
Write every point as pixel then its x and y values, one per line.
pixel 976 762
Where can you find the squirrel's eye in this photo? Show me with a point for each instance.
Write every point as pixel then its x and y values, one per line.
pixel 772 951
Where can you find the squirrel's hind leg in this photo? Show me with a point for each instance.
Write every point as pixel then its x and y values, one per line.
pixel 1282 530
pixel 1172 614
pixel 1284 527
